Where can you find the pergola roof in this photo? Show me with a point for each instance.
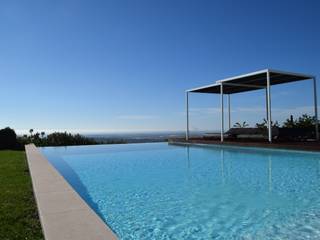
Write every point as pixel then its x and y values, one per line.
pixel 251 81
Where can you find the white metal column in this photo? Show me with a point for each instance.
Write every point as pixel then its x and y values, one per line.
pixel 269 108
pixel 229 114
pixel 222 112
pixel 315 106
pixel 187 111
pixel 267 105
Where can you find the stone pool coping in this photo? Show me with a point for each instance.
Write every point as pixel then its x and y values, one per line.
pixel 64 215
pixel 292 146
pixel 234 146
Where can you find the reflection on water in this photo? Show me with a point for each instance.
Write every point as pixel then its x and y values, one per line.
pixel 270 173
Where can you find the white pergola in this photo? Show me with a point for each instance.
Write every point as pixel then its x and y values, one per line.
pixel 263 79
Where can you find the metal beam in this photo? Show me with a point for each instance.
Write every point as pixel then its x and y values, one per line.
pixel 315 106
pixel 203 87
pixel 306 76
pixel 187 111
pixel 244 85
pixel 222 112
pixel 242 76
pixel 253 74
pixel 269 108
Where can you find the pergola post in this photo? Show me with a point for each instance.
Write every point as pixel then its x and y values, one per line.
pixel 229 114
pixel 222 112
pixel 187 112
pixel 315 106
pixel 269 108
pixel 267 105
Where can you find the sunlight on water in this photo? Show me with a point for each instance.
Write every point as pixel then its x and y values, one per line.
pixel 160 191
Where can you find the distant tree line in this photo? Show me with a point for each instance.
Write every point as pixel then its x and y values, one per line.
pixel 55 139
pixel 305 121
pixel 9 139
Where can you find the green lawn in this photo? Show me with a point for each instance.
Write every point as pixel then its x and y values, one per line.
pixel 18 211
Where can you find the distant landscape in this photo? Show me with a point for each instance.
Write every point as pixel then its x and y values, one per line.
pixel 10 140
pixel 138 137
pixel 293 128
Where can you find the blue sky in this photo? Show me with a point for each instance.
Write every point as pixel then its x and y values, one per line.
pixel 124 65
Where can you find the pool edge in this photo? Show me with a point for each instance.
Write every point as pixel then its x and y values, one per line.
pixel 235 146
pixel 63 213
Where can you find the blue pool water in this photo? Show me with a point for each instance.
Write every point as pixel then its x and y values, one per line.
pixel 161 191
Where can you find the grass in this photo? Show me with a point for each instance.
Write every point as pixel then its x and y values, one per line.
pixel 18 212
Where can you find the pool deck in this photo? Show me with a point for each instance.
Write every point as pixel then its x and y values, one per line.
pixel 64 215
pixel 301 146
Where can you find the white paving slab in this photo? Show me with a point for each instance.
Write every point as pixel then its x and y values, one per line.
pixel 64 215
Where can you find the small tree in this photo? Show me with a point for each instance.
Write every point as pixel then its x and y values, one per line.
pixel 241 125
pixel 290 122
pixel 305 121
pixel 264 124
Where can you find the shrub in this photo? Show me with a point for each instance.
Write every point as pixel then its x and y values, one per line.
pixel 8 139
pixel 56 139
pixel 264 124
pixel 64 139
pixel 305 121
pixel 241 125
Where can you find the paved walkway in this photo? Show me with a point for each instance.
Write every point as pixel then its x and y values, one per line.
pixel 64 215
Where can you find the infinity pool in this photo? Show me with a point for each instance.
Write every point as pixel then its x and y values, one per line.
pixel 161 191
